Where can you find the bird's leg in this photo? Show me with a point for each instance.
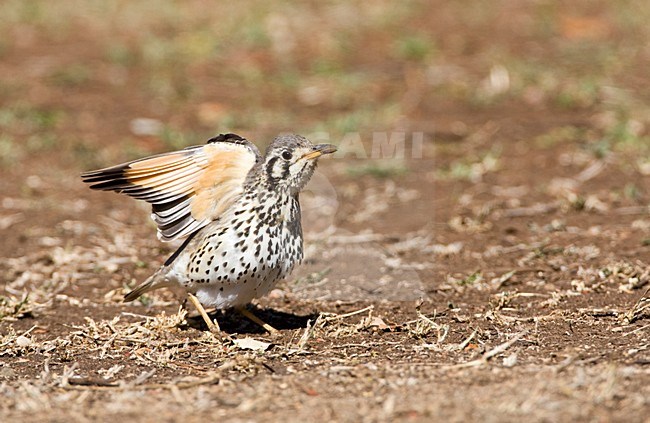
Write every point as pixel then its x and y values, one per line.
pixel 212 325
pixel 253 318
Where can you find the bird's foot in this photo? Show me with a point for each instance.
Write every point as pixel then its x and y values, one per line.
pixel 253 318
pixel 213 325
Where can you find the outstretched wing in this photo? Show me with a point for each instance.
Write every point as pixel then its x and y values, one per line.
pixel 187 189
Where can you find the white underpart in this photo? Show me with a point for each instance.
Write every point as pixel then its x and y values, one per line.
pixel 205 271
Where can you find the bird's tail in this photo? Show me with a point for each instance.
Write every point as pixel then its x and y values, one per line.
pixel 155 281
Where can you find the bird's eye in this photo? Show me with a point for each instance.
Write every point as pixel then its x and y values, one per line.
pixel 286 155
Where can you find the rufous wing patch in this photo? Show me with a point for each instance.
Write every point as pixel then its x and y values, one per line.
pixel 187 189
pixel 221 182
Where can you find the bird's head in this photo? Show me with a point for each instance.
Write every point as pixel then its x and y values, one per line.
pixel 290 161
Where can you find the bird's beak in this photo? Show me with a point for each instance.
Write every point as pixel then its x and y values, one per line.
pixel 319 150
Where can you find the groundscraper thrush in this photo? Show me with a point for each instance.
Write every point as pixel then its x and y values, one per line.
pixel 237 211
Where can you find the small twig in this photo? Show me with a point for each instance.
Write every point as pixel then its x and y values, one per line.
pixel 307 334
pixel 143 377
pixel 85 381
pixel 518 319
pixel 108 344
pixel 186 385
pixel 126 313
pixel 134 340
pixel 445 328
pixel 633 210
pixel 27 332
pixel 591 171
pixel 213 378
pixel 501 348
pixel 599 312
pixel 489 354
pixel 67 374
pixel 352 313
pixel 466 342
pixel 366 346
pixel 636 330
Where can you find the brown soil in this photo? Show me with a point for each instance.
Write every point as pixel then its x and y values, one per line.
pixel 503 276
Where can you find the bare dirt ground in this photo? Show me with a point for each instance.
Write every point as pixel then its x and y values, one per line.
pixel 498 273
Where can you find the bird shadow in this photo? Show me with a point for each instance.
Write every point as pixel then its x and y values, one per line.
pixel 230 321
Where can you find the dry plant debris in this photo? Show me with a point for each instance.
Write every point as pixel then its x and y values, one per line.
pixel 497 270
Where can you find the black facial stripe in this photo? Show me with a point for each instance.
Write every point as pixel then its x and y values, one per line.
pixel 269 167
